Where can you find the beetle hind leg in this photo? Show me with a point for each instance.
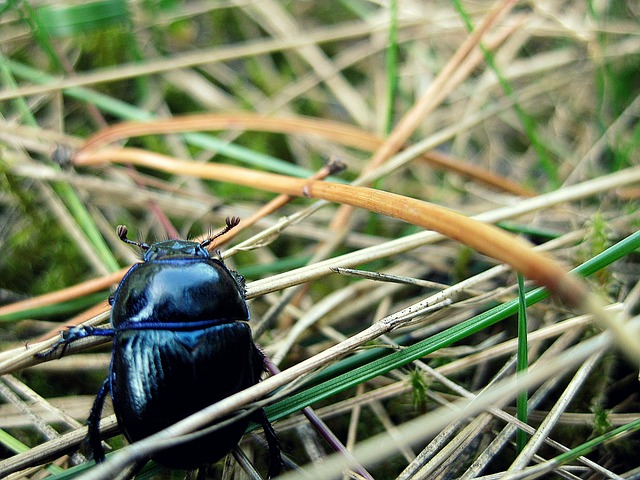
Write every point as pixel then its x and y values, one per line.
pixel 276 463
pixel 93 422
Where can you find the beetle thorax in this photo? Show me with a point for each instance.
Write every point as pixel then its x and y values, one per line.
pixel 178 289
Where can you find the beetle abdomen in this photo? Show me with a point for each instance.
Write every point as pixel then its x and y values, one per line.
pixel 161 376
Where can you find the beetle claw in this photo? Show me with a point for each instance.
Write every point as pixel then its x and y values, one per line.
pixel 50 351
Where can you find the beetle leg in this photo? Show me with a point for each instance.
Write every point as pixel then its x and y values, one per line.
pixel 93 422
pixel 71 335
pixel 275 456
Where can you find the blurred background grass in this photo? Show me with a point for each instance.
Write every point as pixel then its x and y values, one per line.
pixel 554 105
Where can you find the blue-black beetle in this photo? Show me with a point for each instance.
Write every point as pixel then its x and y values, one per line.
pixel 181 342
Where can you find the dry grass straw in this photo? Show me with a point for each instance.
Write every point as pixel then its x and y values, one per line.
pixel 460 106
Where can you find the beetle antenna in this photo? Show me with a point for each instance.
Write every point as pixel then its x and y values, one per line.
pixel 231 223
pixel 122 231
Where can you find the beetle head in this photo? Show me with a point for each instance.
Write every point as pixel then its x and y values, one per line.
pixel 176 248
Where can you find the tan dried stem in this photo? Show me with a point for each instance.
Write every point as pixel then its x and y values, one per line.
pixel 448 78
pixel 482 237
pixel 337 132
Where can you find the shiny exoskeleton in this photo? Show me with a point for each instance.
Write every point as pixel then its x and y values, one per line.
pixel 181 342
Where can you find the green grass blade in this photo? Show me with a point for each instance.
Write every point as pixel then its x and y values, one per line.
pixel 391 361
pixel 65 191
pixel 589 446
pixel 392 67
pixel 61 20
pixel 541 148
pixel 522 362
pixel 126 111
pixel 15 445
pixel 86 224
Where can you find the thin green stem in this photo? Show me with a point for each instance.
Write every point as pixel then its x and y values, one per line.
pixel 392 66
pixel 522 363
pixel 530 127
pixel 587 447
pixel 376 362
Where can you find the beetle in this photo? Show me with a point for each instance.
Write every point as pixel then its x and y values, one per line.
pixel 181 341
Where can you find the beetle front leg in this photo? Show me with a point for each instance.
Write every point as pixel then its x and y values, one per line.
pixel 71 335
pixel 93 422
